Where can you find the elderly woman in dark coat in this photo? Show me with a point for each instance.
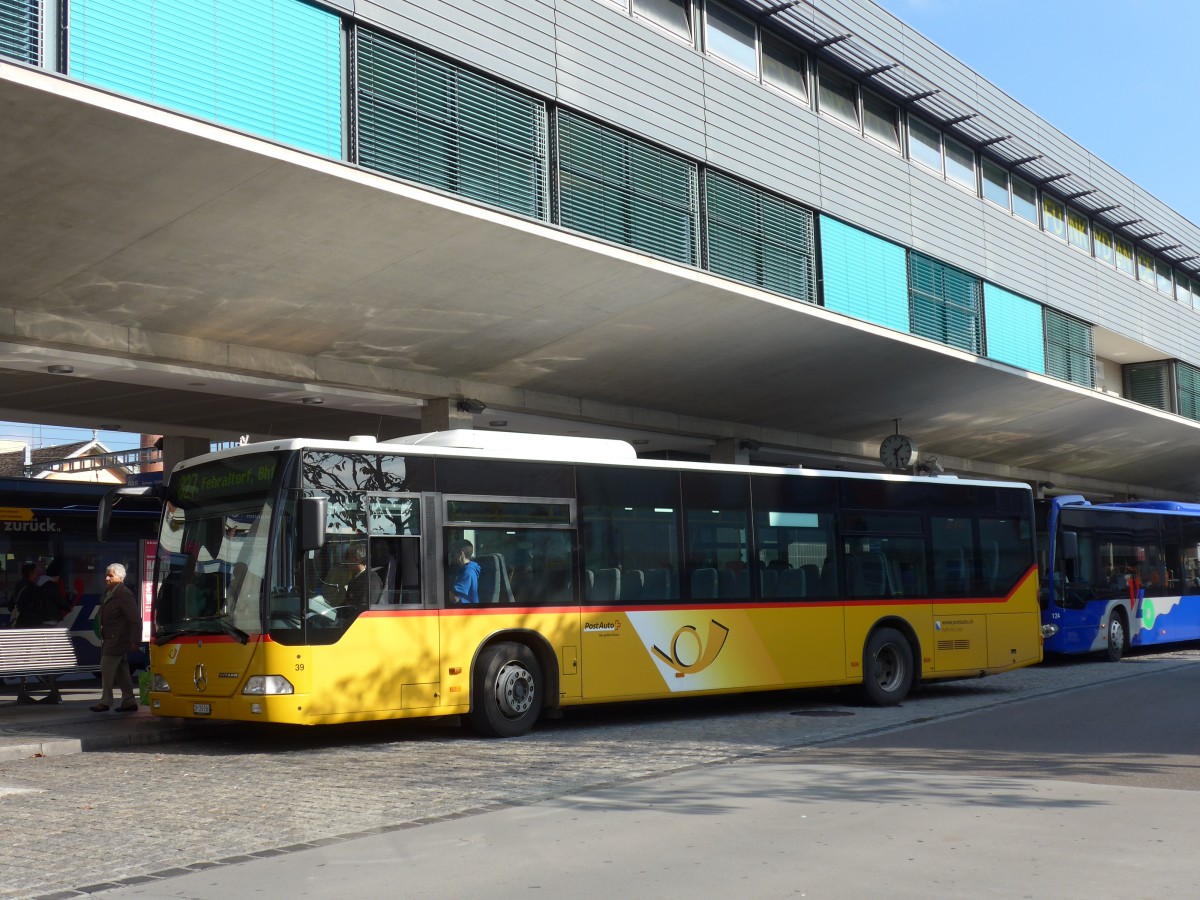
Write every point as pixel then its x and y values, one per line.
pixel 120 632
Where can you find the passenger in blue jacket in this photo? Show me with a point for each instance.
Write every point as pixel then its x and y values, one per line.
pixel 464 573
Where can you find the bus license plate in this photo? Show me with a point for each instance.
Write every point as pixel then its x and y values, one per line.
pixel 202 709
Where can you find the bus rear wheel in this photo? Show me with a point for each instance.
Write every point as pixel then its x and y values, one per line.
pixel 507 693
pixel 1117 640
pixel 887 667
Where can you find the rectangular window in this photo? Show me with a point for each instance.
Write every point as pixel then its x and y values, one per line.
pixel 670 15
pixel 1070 354
pixel 1187 386
pixel 1077 231
pixel 944 303
pixel 1183 289
pixel 624 190
pixel 1054 219
pixel 1024 200
pixel 1125 257
pixel 784 67
pixel 716 514
pixel 629 535
pixel 795 540
pixel 730 37
pixel 268 67
pixel 995 183
pixel 1102 245
pixel 20 31
pixel 429 121
pixel 881 121
pixel 960 164
pixel 1148 383
pixel 1163 277
pixel 1145 267
pixel 924 144
pixel 837 97
pixel 759 238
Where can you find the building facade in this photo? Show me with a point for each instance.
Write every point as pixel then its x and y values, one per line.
pixel 822 153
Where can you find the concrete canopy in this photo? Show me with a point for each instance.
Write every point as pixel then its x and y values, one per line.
pixel 200 281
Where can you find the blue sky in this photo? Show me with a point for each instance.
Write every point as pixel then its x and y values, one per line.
pixel 1118 78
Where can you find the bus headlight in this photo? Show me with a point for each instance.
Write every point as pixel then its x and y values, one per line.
pixel 268 684
pixel 160 684
pixel 1049 631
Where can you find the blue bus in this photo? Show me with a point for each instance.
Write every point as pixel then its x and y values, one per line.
pixel 43 520
pixel 1121 575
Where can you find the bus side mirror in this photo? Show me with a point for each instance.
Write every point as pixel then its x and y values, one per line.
pixel 109 500
pixel 1070 545
pixel 312 513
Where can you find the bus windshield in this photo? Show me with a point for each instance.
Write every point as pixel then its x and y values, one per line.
pixel 212 549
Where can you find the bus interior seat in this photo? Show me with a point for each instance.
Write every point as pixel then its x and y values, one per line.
pixel 493 579
pixel 812 578
pixel 768 580
pixel 704 584
pixel 829 579
pixel 868 574
pixel 607 586
pixel 657 585
pixel 726 584
pixel 792 583
pixel 631 585
pixel 733 584
pixel 384 565
pixel 950 572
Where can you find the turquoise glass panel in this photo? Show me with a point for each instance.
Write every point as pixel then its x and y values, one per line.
pixel 1014 329
pixel 268 67
pixel 864 276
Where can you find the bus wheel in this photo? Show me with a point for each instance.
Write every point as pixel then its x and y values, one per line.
pixel 507 694
pixel 887 668
pixel 1116 637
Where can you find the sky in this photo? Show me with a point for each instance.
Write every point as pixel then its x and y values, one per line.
pixel 1120 79
pixel 1117 78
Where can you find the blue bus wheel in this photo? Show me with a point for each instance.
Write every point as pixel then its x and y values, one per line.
pixel 1118 640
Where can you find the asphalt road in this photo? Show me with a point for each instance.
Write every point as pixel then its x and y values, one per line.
pixel 1065 780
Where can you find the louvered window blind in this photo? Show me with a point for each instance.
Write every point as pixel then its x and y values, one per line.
pixel 20 31
pixel 759 238
pixel 1070 354
pixel 1187 381
pixel 430 121
pixel 944 303
pixel 269 67
pixel 623 190
pixel 1148 383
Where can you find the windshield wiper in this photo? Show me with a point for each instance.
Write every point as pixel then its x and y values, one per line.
pixel 187 627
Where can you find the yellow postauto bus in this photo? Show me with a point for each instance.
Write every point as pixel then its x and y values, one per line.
pixel 506 577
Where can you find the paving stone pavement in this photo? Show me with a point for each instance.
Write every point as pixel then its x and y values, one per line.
pixel 78 822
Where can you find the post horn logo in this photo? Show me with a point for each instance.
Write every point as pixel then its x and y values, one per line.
pixel 717 633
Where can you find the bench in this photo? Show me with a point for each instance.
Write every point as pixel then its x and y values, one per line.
pixel 40 651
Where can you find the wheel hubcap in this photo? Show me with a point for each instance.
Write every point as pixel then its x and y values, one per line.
pixel 1116 633
pixel 514 690
pixel 887 669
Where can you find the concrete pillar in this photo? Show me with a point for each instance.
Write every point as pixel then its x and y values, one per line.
pixel 176 449
pixel 443 414
pixel 731 452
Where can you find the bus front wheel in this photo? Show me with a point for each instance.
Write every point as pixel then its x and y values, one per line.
pixel 507 693
pixel 1116 637
pixel 887 668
